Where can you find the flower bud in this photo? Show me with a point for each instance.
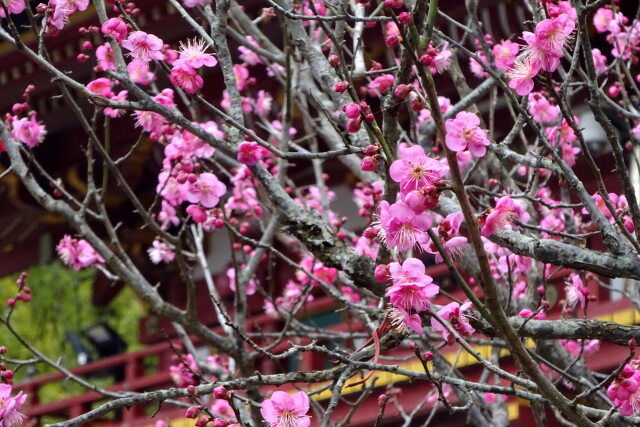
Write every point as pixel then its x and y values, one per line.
pixel 632 344
pixel 353 125
pixel 402 91
pixel 221 393
pixel 404 18
pixel 3 349
pixel 341 87
pixel 428 356
pixel 381 273
pixel 192 412
pixel 351 110
pixel 334 61
pixel 369 164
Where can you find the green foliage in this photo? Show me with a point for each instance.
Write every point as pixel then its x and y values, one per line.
pixel 61 300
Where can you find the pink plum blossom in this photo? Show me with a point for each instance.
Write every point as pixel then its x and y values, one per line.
pixel 382 84
pixel 185 77
pixel 13 6
pixel 250 153
pixel 160 252
pixel 106 58
pixel 115 27
pixel 501 216
pixel 101 86
pixel 28 131
pixel 576 292
pixel 77 253
pixel 412 289
pixel 284 410
pixel 521 76
pixel 541 110
pixel 193 54
pixel 403 228
pixel 505 54
pixel 464 132
pixel 206 190
pixel 10 415
pixel 454 314
pixel 449 233
pixel 414 169
pixel 144 47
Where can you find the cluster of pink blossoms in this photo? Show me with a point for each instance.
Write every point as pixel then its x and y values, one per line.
pixel 544 47
pixel 410 293
pixel 624 391
pixel 77 253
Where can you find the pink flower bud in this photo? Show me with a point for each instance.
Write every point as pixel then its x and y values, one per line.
pixel 525 312
pixel 632 344
pixel 353 125
pixel 426 60
pixel 341 87
pixel 404 18
pixel 614 91
pixel 428 356
pixel 381 273
pixel 369 164
pixel 334 61
pixel 402 91
pixel 203 421
pixel 352 110
pixel 221 393
pixel 3 349
pixel 11 302
pixel 192 412
pixel 372 150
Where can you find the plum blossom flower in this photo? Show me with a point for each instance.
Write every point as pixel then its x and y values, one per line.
pixel 13 6
pixel 160 252
pixel 185 77
pixel 442 60
pixel 412 289
pixel 505 54
pixel 139 72
pixel 414 169
pixel 106 58
pixel 77 253
pixel 193 54
pixel 101 86
pixel 206 190
pixel 10 415
pixel 402 227
pixel 284 410
pixel 521 76
pixel 464 132
pixel 541 110
pixel 599 60
pixel 382 83
pixel 250 153
pixel 505 211
pixel 28 131
pixel 576 292
pixel 144 47
pixel 449 233
pixel 454 314
pixel 115 27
